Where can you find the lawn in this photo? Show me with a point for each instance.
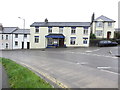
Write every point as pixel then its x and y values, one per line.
pixel 21 77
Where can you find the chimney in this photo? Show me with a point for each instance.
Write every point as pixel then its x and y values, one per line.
pixel 1 27
pixel 93 17
pixel 46 20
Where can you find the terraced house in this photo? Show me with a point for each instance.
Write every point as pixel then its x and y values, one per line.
pixel 14 38
pixel 59 34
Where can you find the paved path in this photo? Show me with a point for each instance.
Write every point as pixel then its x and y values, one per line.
pixel 3 78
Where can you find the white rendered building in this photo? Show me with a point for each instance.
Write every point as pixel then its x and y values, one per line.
pixel 21 39
pixel 59 34
pixel 14 38
pixel 103 27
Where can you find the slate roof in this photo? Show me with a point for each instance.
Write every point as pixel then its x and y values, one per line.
pixel 9 30
pixel 22 31
pixel 104 18
pixel 61 24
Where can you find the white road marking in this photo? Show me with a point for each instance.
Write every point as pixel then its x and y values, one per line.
pixel 103 67
pixel 110 72
pixel 88 51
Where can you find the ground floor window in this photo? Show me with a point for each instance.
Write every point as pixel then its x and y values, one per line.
pixel 6 45
pixel 72 40
pixel 16 43
pixel 36 39
pixel 99 33
pixel 50 40
pixel 85 40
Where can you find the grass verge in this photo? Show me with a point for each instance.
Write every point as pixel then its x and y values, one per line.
pixel 21 77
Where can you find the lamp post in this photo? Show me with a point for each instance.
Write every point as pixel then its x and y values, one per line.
pixel 23 30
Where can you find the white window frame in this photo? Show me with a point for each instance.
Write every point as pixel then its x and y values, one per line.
pixel 16 35
pixel 6 45
pixel 99 32
pixel 6 37
pixel 109 24
pixel 16 43
pixel 73 30
pixel 99 24
pixel 36 39
pixel 85 41
pixel 60 29
pixel 72 40
pixel 36 29
pixel 49 29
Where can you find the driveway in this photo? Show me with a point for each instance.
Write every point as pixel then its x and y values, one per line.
pixel 92 67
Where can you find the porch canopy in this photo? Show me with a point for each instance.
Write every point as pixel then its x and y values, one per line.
pixel 55 36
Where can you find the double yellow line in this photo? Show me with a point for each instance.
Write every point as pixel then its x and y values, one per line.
pixel 45 75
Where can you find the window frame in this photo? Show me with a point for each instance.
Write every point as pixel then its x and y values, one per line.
pixel 73 30
pixel 72 40
pixel 6 45
pixel 6 37
pixel 109 24
pixel 37 30
pixel 36 39
pixel 25 35
pixel 16 35
pixel 49 29
pixel 16 43
pixel 99 24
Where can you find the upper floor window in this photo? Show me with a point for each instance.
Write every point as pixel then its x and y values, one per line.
pixel 109 24
pixel 36 39
pixel 16 43
pixel 85 32
pixel 72 40
pixel 2 37
pixel 60 29
pixel 99 24
pixel 36 29
pixel 25 35
pixel 49 29
pixel 6 37
pixel 73 30
pixel 16 35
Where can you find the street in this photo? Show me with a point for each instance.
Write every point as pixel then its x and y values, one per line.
pixel 93 67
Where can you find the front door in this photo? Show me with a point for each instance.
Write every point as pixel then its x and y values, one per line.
pixel 28 45
pixel 22 45
pixel 61 42
pixel 108 35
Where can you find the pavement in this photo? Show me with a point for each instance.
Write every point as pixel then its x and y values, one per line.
pixel 3 78
pixel 92 67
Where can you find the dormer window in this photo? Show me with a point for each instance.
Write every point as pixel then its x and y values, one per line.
pixel 99 24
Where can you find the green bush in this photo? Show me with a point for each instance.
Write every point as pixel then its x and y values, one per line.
pixel 92 36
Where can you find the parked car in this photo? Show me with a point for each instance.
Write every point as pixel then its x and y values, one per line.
pixel 107 43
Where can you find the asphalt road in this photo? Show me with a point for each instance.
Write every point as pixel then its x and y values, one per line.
pixel 92 67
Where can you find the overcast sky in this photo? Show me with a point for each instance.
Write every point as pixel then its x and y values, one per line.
pixel 55 11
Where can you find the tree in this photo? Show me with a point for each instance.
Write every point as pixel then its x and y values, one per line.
pixel 92 36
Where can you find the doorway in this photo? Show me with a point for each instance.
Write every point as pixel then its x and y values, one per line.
pixel 108 35
pixel 61 42
pixel 22 45
pixel 28 45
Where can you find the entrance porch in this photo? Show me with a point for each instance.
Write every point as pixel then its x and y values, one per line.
pixel 55 40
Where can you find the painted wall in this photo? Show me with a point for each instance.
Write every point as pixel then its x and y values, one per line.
pixel 4 41
pixel 43 31
pixel 20 40
pixel 104 29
